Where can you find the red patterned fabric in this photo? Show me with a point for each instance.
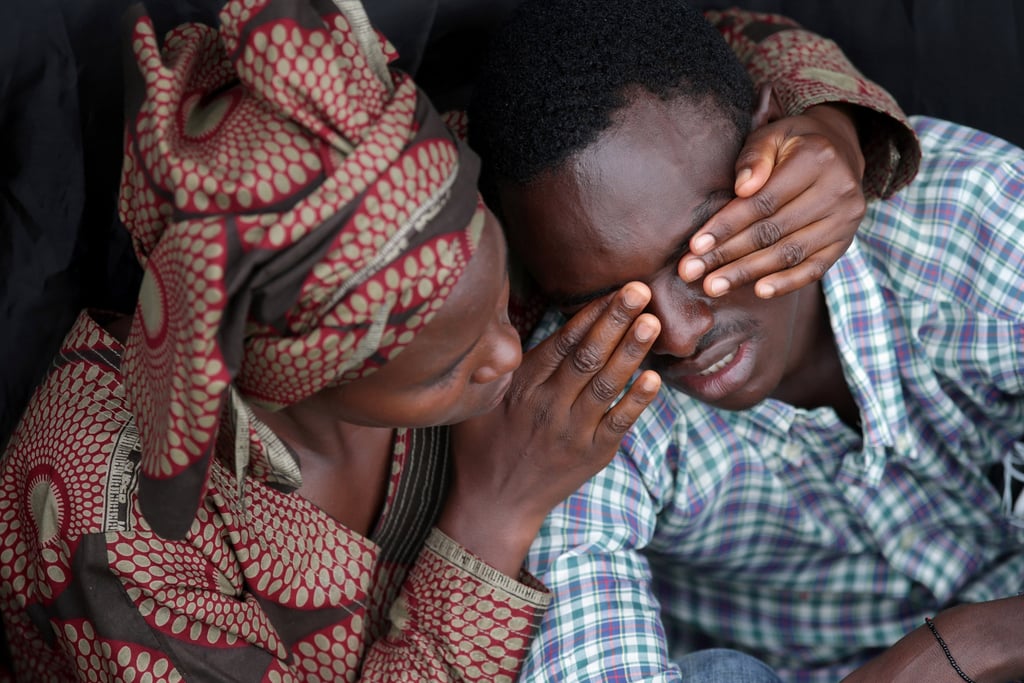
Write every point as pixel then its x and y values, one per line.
pixel 806 69
pixel 264 586
pixel 300 212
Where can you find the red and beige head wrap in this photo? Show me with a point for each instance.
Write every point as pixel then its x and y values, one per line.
pixel 300 212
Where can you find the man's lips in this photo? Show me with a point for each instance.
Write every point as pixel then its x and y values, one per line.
pixel 715 374
pixel 707 362
pixel 718 365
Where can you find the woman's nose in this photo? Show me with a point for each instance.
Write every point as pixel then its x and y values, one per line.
pixel 505 353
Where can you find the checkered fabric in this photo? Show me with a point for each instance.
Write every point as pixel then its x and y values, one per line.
pixel 782 531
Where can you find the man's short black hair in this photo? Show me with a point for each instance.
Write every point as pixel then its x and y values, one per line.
pixel 558 69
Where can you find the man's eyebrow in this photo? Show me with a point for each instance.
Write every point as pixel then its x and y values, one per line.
pixel 702 213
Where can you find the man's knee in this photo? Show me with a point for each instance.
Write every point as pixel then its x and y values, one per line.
pixel 717 665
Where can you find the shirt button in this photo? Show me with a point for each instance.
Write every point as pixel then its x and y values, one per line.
pixel 793 454
pixel 905 446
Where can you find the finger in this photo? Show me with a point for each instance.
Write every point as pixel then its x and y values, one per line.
pixel 600 342
pixel 779 190
pixel 757 159
pixel 803 257
pixel 800 164
pixel 792 279
pixel 801 227
pixel 552 351
pixel 606 384
pixel 761 232
pixel 803 219
pixel 621 417
pixel 736 218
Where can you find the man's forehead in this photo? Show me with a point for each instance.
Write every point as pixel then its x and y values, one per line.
pixel 601 260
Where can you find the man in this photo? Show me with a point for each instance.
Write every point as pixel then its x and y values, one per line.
pixel 816 481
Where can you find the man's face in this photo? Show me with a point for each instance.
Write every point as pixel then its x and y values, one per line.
pixel 625 209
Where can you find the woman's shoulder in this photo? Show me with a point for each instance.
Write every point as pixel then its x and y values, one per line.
pixel 75 436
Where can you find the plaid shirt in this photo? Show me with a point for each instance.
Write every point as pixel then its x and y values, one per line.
pixel 785 533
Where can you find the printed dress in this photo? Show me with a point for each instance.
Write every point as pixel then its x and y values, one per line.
pixel 265 586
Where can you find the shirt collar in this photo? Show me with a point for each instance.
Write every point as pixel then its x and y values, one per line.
pixel 858 311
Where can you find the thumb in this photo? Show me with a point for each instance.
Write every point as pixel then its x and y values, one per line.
pixel 757 160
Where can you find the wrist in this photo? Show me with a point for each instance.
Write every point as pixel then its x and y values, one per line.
pixel 844 122
pixel 498 536
pixel 986 639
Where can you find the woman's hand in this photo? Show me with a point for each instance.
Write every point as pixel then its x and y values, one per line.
pixel 799 202
pixel 556 428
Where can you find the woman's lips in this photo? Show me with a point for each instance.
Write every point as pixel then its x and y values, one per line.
pixel 500 396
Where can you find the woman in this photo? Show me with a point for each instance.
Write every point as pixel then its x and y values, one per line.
pixel 245 481
pixel 319 269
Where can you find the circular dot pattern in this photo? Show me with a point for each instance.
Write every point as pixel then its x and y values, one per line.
pixel 269 153
pixel 253 554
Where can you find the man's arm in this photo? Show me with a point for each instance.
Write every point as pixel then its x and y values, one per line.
pixel 971 204
pixel 603 623
pixel 982 640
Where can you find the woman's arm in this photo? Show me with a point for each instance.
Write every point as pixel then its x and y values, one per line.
pixel 467 607
pixel 798 179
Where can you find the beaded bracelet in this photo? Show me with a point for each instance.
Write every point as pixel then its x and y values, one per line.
pixel 945 648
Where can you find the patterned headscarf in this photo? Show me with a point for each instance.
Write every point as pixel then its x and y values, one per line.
pixel 300 212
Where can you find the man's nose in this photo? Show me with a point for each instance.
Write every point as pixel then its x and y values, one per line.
pixel 685 313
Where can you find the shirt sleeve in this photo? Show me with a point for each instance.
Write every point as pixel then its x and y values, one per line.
pixel 806 69
pixel 604 622
pixel 134 605
pixel 263 587
pixel 458 615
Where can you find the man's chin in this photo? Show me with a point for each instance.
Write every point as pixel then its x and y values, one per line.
pixel 732 401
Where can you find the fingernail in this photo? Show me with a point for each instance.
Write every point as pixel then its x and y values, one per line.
pixel 649 381
pixel 703 243
pixel 765 291
pixel 743 176
pixel 693 269
pixel 633 297
pixel 644 330
pixel 717 286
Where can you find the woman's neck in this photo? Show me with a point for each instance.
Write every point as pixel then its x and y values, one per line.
pixel 344 466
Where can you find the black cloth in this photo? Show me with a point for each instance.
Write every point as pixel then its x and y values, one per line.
pixel 959 60
pixel 61 247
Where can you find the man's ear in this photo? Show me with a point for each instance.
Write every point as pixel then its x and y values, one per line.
pixel 768 108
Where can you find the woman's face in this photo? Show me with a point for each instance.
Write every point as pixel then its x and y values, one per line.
pixel 458 366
